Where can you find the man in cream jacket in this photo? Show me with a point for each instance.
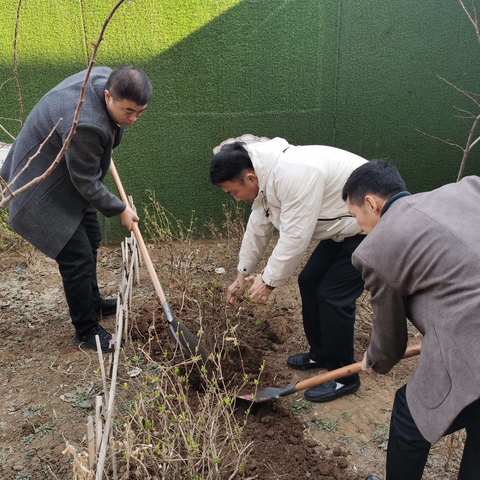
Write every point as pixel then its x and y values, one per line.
pixel 298 191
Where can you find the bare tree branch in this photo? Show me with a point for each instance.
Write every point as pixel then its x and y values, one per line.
pixel 15 69
pixel 5 81
pixel 466 150
pixel 6 199
pixel 33 182
pixel 10 119
pixel 470 144
pixel 448 142
pixel 6 131
pixel 474 143
pixel 470 114
pixel 473 20
pixel 476 118
pixel 463 92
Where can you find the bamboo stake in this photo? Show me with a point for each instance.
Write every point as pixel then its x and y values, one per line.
pixel 90 443
pixel 98 422
pixel 128 290
pixel 109 411
pixel 137 259
pixel 125 260
pixel 102 367
pixel 114 464
pixel 124 270
pixel 124 298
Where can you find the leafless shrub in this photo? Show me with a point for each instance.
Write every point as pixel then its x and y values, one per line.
pixel 173 432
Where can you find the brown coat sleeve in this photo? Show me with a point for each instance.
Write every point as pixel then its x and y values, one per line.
pixel 389 333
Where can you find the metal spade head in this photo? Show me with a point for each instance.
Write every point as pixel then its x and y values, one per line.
pixel 269 393
pixel 187 341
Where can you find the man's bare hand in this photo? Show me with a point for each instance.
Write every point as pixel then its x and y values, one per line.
pixel 258 292
pixel 128 216
pixel 364 365
pixel 236 289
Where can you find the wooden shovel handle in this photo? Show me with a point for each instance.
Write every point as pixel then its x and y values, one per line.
pixel 138 236
pixel 346 371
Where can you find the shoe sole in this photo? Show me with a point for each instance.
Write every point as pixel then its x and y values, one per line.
pixel 334 395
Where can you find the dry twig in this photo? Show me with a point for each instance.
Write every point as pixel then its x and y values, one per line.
pixel 15 63
pixel 474 19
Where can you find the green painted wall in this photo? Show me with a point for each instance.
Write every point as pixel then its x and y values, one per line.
pixel 357 74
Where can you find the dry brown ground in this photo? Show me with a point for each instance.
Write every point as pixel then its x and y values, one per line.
pixel 48 384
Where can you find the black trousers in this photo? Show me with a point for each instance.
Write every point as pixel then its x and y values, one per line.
pixel 329 286
pixel 77 263
pixel 408 450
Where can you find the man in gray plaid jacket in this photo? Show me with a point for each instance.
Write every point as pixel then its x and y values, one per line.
pixel 59 215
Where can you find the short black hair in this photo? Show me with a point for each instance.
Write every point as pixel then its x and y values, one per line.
pixel 375 177
pixel 130 83
pixel 231 163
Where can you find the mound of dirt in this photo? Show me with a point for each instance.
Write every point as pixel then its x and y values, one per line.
pixel 279 446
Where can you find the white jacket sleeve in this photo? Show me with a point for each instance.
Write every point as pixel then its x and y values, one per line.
pixel 258 233
pixel 300 192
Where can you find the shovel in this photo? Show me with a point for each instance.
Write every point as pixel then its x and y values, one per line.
pixel 179 333
pixel 271 393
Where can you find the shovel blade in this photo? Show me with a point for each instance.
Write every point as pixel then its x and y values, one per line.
pixel 186 340
pixel 269 393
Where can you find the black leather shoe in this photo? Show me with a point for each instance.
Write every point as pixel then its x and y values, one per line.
pixel 302 362
pixel 106 307
pixel 87 340
pixel 327 392
pixel 372 477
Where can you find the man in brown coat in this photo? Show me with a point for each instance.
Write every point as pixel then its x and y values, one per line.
pixel 421 260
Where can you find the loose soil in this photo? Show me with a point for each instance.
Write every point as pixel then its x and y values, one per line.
pixel 49 385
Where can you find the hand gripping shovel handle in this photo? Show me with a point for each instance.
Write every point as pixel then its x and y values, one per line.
pixel 178 332
pixel 345 371
pixel 271 393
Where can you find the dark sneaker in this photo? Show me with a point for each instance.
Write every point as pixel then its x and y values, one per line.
pixel 372 477
pixel 328 391
pixel 106 307
pixel 302 362
pixel 87 340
